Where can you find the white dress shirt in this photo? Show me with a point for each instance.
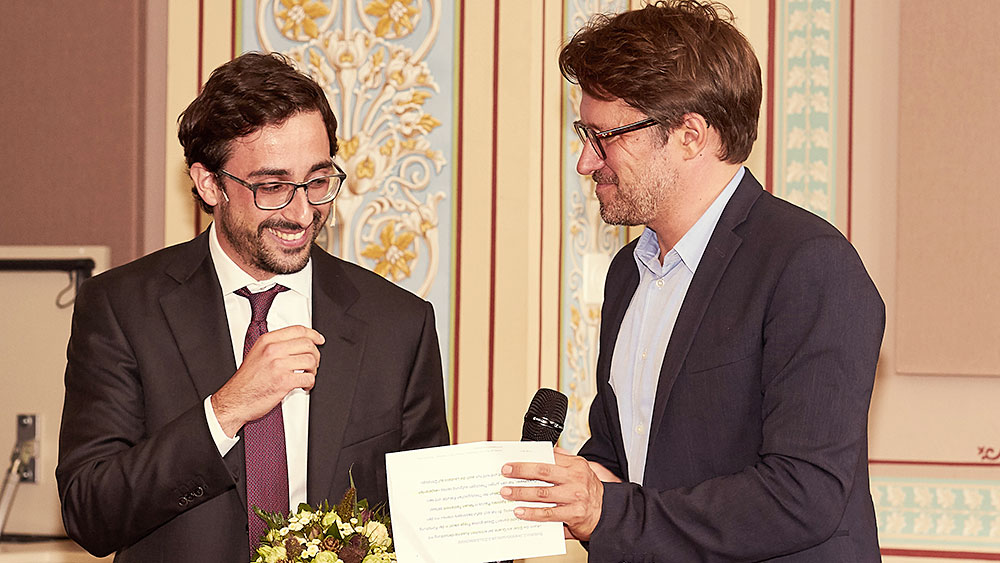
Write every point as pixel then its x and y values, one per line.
pixel 649 322
pixel 289 308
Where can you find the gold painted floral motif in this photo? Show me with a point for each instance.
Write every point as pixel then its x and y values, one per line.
pixel 379 86
pixel 393 256
pixel 298 19
pixel 348 147
pixel 396 14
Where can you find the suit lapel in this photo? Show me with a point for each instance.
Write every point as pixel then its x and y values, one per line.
pixel 196 316
pixel 625 277
pixel 339 370
pixel 720 250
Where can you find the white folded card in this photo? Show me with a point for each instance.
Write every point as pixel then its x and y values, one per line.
pixel 446 506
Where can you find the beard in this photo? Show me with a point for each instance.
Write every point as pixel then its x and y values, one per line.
pixel 253 248
pixel 637 204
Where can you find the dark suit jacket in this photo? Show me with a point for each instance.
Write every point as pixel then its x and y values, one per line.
pixel 138 471
pixel 758 442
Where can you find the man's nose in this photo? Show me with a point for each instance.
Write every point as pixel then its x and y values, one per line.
pixel 589 161
pixel 299 210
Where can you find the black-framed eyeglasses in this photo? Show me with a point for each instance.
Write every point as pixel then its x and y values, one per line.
pixel 594 137
pixel 276 194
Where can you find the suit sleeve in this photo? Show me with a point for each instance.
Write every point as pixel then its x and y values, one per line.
pixel 425 423
pixel 117 480
pixel 821 332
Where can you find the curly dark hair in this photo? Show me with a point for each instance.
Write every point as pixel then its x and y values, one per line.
pixel 669 59
pixel 244 95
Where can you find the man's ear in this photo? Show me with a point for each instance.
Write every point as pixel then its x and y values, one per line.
pixel 205 183
pixel 693 135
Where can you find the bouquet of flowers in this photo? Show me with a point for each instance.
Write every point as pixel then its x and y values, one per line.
pixel 350 532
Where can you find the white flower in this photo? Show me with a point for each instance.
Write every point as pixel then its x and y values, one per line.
pixel 377 534
pixel 345 528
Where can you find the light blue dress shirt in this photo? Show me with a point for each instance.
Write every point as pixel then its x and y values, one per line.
pixel 649 322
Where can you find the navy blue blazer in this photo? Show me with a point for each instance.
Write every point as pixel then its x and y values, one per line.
pixel 758 442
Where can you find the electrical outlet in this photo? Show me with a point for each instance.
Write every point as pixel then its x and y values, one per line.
pixel 26 426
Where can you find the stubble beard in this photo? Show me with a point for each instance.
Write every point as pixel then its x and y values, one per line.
pixel 252 247
pixel 637 205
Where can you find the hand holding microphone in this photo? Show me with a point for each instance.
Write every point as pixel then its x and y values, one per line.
pixel 576 490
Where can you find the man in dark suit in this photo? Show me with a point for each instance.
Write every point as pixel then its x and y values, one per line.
pixel 247 366
pixel 739 333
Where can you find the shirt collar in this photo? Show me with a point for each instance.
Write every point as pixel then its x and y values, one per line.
pixel 232 277
pixel 692 245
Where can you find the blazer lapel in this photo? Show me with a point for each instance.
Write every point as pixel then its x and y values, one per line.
pixel 196 316
pixel 627 278
pixel 339 370
pixel 720 250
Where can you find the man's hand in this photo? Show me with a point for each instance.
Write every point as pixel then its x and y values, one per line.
pixel 280 361
pixel 603 473
pixel 577 493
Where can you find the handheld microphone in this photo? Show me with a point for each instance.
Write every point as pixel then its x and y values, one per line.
pixel 545 417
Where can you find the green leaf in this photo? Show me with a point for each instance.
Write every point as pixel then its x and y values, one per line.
pixel 333 531
pixel 274 520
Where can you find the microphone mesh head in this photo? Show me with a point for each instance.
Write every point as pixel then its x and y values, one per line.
pixel 544 420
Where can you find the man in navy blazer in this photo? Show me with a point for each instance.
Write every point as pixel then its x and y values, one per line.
pixel 739 333
pixel 153 450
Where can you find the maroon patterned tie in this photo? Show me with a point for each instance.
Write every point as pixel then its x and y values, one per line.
pixel 267 464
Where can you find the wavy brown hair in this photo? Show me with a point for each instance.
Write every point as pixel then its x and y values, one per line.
pixel 670 59
pixel 244 95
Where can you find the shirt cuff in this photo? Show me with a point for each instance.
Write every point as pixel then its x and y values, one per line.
pixel 222 442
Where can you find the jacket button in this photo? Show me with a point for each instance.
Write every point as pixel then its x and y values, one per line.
pixel 182 501
pixel 198 492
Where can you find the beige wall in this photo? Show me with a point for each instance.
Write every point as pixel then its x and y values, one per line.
pixel 927 228
pixel 924 119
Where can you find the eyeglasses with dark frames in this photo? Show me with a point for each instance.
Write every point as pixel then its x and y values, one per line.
pixel 276 194
pixel 587 134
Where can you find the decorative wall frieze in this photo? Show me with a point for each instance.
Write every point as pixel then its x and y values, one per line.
pixel 805 104
pixel 938 514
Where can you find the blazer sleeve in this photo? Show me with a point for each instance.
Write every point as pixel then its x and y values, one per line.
pixel 425 423
pixel 118 480
pixel 821 333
